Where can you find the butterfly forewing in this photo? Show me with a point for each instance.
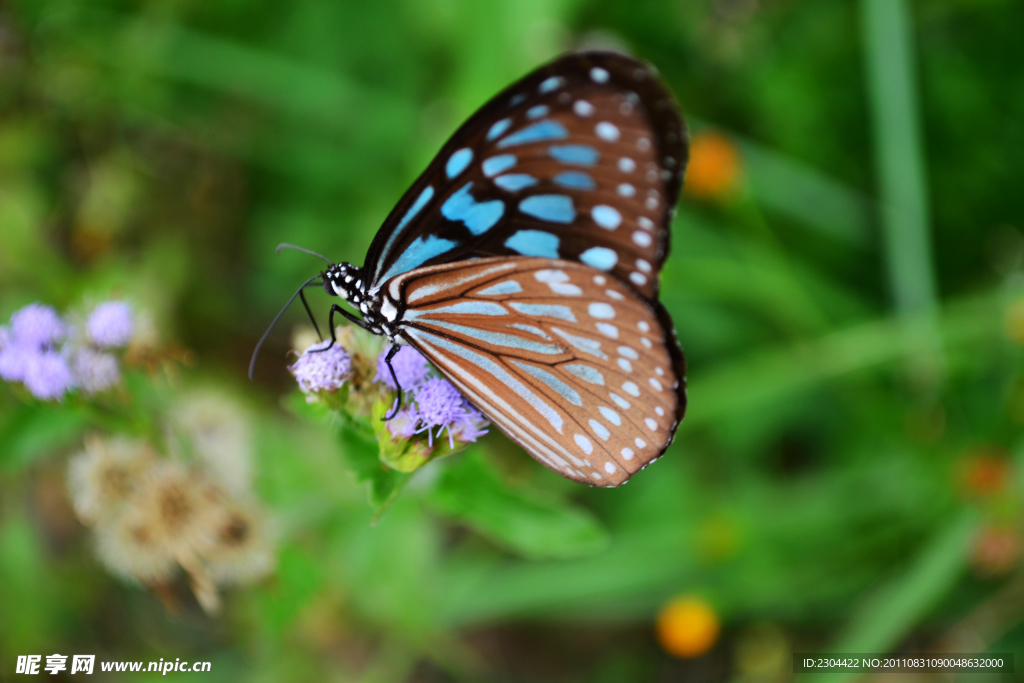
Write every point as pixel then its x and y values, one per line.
pixel 580 160
pixel 567 361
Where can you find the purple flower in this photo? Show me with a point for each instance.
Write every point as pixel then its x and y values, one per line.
pixel 410 367
pixel 110 324
pixel 94 370
pixel 404 425
pixel 470 426
pixel 47 376
pixel 13 360
pixel 440 404
pixel 321 371
pixel 36 325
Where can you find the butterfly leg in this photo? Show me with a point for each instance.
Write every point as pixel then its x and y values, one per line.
pixel 398 403
pixel 302 295
pixel 330 321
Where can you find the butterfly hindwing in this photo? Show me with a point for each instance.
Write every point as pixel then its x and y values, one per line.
pixel 580 160
pixel 570 363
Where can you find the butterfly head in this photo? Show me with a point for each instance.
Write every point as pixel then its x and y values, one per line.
pixel 346 281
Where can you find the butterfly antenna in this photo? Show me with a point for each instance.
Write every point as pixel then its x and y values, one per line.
pixel 298 248
pixel 259 344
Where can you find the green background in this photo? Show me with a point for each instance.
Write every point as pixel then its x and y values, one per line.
pixel 847 312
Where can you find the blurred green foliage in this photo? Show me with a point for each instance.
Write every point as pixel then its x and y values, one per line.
pixel 849 303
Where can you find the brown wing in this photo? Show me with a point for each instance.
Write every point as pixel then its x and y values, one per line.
pixel 566 360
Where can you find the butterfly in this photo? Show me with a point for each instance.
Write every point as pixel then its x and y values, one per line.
pixel 523 263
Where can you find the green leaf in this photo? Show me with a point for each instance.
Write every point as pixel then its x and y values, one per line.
pixel 299 578
pixel 362 455
pixel 35 429
pixel 471 491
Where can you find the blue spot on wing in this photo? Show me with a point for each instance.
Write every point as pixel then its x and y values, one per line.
pixel 498 128
pixel 560 387
pixel 533 243
pixel 544 311
pixel 495 165
pixel 583 155
pixel 555 208
pixel 416 207
pixel 506 287
pixel 418 253
pixel 458 162
pixel 544 130
pixel 537 112
pixel 513 182
pixel 479 217
pixel 575 179
pixel 601 258
pixel 553 83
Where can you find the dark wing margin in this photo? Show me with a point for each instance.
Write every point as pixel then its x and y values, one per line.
pixel 416 216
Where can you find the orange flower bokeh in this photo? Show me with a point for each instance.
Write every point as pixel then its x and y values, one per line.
pixel 687 627
pixel 714 167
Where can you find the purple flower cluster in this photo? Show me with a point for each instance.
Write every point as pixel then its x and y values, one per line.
pixel 39 350
pixel 317 370
pixel 110 325
pixel 433 404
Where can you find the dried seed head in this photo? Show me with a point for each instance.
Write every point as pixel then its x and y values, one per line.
pixel 104 475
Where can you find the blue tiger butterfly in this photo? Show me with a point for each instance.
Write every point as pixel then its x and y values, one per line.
pixel 523 263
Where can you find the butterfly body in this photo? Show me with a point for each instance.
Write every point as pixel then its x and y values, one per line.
pixel 524 264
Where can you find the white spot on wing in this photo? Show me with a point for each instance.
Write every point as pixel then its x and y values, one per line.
pixel 583 108
pixel 609 468
pixel 643 326
pixel 651 423
pixel 584 444
pixel 599 429
pixel 599 309
pixel 608 330
pixel 628 352
pixel 655 384
pixel 620 402
pixel 565 288
pixel 598 75
pixel 625 365
pixel 607 131
pixel 642 239
pixel 551 275
pixel 626 190
pixel 611 416
pixel 627 453
pixel 627 165
pixel 606 216
pixel 631 389
pixel 640 443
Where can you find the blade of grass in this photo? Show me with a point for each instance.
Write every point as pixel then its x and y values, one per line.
pixel 898 606
pixel 899 157
pixel 774 374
